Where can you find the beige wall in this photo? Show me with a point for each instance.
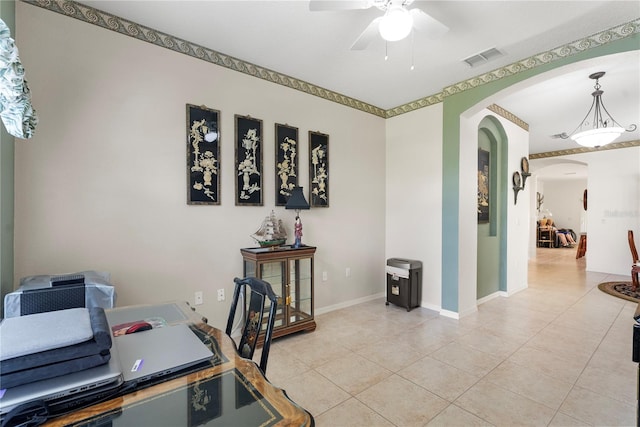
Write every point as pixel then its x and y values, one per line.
pixel 414 195
pixel 102 185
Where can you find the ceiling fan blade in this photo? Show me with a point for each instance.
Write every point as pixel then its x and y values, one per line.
pixel 322 5
pixel 428 25
pixel 367 36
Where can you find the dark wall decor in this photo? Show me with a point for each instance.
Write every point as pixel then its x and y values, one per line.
pixel 524 168
pixel 539 200
pixel 248 153
pixel 203 156
pixel 483 185
pixel 286 162
pixel 318 169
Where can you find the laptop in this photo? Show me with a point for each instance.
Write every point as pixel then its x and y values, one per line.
pixel 67 390
pixel 159 352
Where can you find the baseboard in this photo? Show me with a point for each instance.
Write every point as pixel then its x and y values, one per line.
pixel 349 303
pixel 492 296
pixel 450 314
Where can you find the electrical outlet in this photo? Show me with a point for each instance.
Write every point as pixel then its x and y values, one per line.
pixel 347 272
pixel 324 276
pixel 220 294
pixel 198 298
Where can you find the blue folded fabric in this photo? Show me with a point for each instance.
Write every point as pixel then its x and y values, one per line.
pixel 100 344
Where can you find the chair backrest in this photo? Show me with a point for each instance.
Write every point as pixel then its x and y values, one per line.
pixel 52 299
pixel 65 292
pixel 251 295
pixel 632 246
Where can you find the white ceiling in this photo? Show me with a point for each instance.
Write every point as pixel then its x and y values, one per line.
pixel 315 47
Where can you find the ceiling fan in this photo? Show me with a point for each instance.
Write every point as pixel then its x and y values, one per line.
pixel 396 23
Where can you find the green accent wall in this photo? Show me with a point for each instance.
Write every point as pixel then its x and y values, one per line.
pixel 492 237
pixel 453 107
pixel 7 149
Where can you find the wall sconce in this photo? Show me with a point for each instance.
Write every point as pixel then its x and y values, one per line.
pixel 539 200
pixel 524 167
pixel 298 202
pixel 517 181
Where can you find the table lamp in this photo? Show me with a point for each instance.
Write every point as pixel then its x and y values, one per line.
pixel 297 201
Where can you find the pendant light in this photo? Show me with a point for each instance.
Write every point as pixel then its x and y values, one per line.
pixel 598 128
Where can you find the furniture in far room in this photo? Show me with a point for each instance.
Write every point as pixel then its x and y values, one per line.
pixel 635 265
pixel 289 271
pixel 546 233
pixel 38 294
pixel 582 246
pixel 252 295
pixel 227 390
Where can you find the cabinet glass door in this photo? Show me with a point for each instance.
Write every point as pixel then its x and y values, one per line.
pixel 274 273
pixel 300 290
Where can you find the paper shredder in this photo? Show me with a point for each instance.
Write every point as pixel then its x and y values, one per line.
pixel 404 282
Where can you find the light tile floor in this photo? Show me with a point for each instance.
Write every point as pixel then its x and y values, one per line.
pixel 556 354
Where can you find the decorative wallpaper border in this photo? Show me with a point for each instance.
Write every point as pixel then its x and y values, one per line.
pixel 602 38
pixel 114 23
pixel 582 150
pixel 509 116
pixel 128 28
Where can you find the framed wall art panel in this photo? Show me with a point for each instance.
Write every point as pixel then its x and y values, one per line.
pixel 203 155
pixel 483 186
pixel 318 169
pixel 286 162
pixel 248 153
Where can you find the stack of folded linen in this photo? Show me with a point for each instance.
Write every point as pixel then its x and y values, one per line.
pixel 50 344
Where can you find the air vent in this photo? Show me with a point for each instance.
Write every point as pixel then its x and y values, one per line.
pixel 483 57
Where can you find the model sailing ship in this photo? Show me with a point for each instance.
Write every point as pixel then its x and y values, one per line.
pixel 271 232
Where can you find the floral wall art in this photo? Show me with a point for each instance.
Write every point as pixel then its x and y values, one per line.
pixel 286 162
pixel 248 140
pixel 318 169
pixel 203 156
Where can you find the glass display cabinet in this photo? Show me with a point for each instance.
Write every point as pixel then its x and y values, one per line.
pixel 289 271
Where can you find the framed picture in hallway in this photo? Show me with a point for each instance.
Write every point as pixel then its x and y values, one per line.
pixel 248 153
pixel 483 186
pixel 203 155
pixel 318 170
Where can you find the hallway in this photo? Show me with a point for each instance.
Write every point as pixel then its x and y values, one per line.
pixel 557 353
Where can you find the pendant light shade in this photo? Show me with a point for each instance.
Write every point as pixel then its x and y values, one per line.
pixel 598 137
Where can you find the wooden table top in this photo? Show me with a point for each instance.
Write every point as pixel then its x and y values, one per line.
pixel 229 390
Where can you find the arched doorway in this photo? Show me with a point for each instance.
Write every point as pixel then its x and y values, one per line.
pixel 491 273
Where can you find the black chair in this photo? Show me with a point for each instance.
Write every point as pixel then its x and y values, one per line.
pixel 252 294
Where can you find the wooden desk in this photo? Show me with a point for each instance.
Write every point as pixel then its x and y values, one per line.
pixel 228 391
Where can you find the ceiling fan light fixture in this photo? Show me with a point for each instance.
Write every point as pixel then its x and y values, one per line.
pixel 396 24
pixel 601 129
